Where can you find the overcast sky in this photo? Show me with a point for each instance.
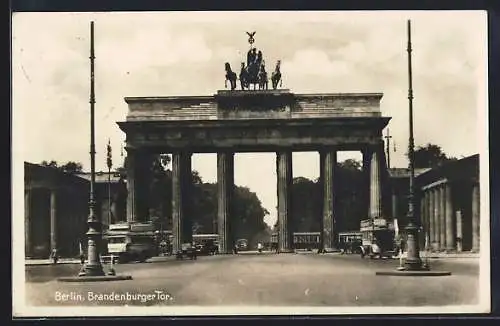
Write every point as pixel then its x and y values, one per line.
pixel 161 54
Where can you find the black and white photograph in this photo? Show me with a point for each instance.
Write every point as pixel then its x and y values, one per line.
pixel 250 163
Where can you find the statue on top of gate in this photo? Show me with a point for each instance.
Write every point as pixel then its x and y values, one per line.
pixel 253 72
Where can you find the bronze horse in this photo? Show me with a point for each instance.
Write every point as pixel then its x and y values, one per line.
pixel 231 76
pixel 276 76
pixel 263 77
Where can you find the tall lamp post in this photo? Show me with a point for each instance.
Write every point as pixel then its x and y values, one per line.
pixel 94 235
pixel 413 261
pixel 109 163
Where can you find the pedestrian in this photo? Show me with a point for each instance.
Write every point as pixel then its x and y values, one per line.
pixel 82 254
pixel 54 256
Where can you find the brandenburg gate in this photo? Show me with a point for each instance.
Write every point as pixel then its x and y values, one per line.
pixel 234 121
pixel 251 120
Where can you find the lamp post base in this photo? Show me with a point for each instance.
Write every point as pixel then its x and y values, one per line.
pixel 91 270
pixel 102 278
pixel 413 273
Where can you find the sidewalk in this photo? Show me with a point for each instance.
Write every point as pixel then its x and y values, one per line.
pixel 424 254
pixel 34 262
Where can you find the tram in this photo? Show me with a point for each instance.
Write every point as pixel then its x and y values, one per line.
pixel 301 240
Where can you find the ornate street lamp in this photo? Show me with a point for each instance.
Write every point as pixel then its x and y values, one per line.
pixel 93 266
pixel 413 264
pixel 92 271
pixel 413 261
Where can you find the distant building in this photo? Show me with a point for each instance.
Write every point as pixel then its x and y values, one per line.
pixel 447 202
pixel 56 208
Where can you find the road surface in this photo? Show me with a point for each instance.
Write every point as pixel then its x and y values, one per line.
pixel 263 280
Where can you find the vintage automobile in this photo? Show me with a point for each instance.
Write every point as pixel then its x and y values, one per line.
pixel 187 250
pixel 130 242
pixel 377 239
pixel 207 248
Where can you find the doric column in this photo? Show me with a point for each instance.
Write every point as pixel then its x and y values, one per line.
pixel 423 220
pixel 475 218
pixel 375 185
pixel 450 228
pixel 284 173
pixel 394 203
pixel 53 219
pixel 131 186
pixel 143 163
pixel 225 188
pixel 460 237
pixel 367 157
pixel 187 203
pixel 181 226
pixel 442 218
pixel 114 212
pixel 432 219
pixel 27 223
pixel 328 161
pixel 437 219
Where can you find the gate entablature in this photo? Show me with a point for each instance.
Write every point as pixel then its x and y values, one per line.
pixel 259 104
pixel 254 121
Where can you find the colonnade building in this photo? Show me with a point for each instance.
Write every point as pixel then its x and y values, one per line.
pixel 449 204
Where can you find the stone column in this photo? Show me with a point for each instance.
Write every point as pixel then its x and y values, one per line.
pixel 475 218
pixel 284 173
pixel 53 220
pixel 225 188
pixel 328 160
pixel 442 218
pixel 180 222
pixel 187 203
pixel 437 219
pixel 375 186
pixel 432 220
pixel 114 211
pixel 131 186
pixel 460 237
pixel 394 203
pixel 27 223
pixel 450 229
pixel 367 157
pixel 143 163
pixel 423 221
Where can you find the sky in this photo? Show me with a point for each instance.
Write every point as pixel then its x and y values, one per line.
pixel 183 53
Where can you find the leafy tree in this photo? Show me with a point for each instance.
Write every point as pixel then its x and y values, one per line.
pixel 68 167
pixel 72 167
pixel 430 156
pixel 307 200
pixel 52 164
pixel 351 165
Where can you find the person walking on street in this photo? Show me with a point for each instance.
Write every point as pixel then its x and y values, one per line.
pixel 82 254
pixel 54 256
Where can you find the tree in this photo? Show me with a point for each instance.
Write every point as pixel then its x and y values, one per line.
pixel 51 164
pixel 68 167
pixel 72 167
pixel 430 156
pixel 307 199
pixel 350 164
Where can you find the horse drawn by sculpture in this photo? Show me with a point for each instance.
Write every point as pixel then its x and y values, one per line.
pixel 253 72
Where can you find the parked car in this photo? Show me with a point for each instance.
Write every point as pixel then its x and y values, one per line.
pixel 188 251
pixel 205 249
